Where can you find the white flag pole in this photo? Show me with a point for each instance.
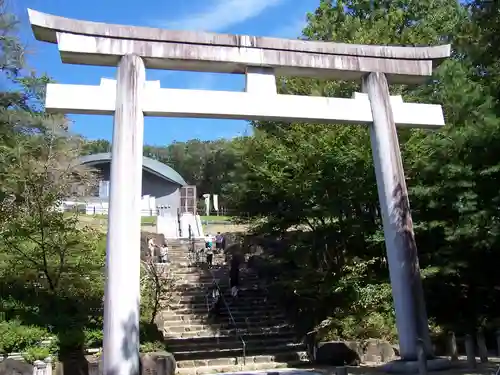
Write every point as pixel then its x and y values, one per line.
pixel 216 203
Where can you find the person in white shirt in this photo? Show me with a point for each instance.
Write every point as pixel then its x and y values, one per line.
pixel 151 247
pixel 164 254
pixel 208 241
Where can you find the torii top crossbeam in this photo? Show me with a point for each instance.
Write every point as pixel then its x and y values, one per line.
pixel 94 43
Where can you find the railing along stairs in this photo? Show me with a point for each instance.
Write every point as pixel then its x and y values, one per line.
pixel 209 300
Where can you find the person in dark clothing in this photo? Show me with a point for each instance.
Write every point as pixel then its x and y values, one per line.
pixel 210 256
pixel 234 275
pixel 216 302
pixel 218 241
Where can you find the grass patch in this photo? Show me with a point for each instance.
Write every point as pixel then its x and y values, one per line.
pixel 151 220
pixel 148 220
pixel 145 220
pixel 216 218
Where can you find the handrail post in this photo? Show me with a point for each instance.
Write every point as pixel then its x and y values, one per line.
pixel 244 353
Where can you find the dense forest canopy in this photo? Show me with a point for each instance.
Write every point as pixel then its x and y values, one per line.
pixel 309 188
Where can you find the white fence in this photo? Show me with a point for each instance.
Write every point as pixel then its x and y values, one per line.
pixel 97 210
pixel 43 367
pixel 101 207
pixel 39 367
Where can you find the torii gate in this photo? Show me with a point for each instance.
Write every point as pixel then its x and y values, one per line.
pixel 133 49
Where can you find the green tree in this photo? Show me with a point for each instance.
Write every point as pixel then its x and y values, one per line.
pixel 320 178
pixel 50 266
pixel 95 147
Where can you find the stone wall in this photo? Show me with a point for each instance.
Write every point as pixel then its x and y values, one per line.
pixel 353 353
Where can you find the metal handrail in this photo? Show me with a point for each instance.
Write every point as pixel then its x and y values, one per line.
pixel 231 317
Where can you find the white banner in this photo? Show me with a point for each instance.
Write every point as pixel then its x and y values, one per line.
pixel 216 202
pixel 207 204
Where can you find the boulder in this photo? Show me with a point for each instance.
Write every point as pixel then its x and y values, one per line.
pixel 353 353
pixel 14 367
pixel 377 351
pixel 338 353
pixel 158 363
pixel 94 365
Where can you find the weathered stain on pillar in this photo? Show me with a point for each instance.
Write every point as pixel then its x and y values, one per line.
pixel 395 202
pixel 401 214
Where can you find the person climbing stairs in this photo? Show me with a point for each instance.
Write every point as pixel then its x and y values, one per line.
pixel 248 333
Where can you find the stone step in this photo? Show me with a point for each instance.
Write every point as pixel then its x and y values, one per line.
pixel 192 284
pixel 249 366
pixel 181 263
pixel 247 287
pixel 220 327
pixel 209 333
pixel 243 302
pixel 239 318
pixel 194 319
pixel 178 298
pixel 236 347
pixel 189 270
pixel 190 293
pixel 200 287
pixel 231 361
pixel 246 290
pixel 221 342
pixel 192 275
pixel 237 351
pixel 201 309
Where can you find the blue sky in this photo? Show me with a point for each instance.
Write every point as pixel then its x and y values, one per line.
pixel 277 18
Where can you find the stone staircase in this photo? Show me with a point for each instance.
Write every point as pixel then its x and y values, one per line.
pixel 252 334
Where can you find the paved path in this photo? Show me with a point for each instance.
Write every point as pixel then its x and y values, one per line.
pixel 459 368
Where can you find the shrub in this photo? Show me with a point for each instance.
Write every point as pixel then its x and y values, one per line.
pixel 93 338
pixel 152 346
pixel 16 337
pixel 35 353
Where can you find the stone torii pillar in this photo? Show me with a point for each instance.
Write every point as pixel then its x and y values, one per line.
pixel 133 49
pixel 122 291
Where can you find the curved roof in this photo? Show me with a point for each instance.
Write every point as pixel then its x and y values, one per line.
pixel 151 165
